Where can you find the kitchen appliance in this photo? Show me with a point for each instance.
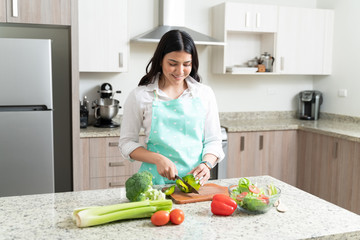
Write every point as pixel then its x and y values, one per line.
pixel 219 171
pixel 26 117
pixel 106 108
pixel 172 16
pixel 84 113
pixel 268 61
pixel 309 104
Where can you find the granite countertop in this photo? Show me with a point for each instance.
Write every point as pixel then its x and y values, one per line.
pixel 329 124
pixel 48 216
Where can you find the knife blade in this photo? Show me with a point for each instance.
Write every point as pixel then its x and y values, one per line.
pixel 192 189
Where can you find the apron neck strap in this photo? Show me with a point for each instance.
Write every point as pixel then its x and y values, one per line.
pixel 155 95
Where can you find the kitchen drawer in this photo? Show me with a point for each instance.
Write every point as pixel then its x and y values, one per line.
pixel 108 167
pixel 104 147
pixel 108 182
pixel 111 167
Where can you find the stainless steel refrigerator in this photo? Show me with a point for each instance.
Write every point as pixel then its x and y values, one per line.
pixel 26 117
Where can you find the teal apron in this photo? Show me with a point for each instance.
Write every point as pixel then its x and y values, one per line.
pixel 177 132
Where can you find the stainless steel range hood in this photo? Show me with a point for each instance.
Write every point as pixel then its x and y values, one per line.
pixel 172 16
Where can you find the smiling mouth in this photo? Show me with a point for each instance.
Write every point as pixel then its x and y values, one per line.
pixel 178 77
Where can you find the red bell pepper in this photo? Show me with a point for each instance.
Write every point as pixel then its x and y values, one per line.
pixel 223 205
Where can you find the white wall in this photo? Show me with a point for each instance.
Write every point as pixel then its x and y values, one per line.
pixel 234 93
pixel 346 53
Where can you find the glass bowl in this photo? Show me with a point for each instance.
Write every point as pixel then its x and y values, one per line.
pixel 255 203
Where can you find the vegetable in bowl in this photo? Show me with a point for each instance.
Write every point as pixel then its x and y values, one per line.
pixel 252 198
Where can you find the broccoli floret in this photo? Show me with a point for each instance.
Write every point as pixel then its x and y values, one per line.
pixel 139 188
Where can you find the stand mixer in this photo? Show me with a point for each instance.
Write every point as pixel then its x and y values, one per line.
pixel 106 108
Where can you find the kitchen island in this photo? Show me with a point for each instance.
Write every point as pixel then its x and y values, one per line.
pixel 48 216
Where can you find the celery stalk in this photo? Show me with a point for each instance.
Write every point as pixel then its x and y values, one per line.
pixel 96 215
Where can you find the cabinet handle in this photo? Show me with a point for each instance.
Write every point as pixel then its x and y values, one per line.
pixel 116 164
pixel 247 19
pixel 282 63
pixel 115 184
pixel 258 20
pixel 113 144
pixel 15 10
pixel 335 149
pixel 242 143
pixel 261 142
pixel 121 60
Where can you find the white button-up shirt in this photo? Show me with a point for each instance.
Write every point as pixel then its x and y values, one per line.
pixel 138 114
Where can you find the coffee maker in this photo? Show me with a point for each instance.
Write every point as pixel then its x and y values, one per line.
pixel 309 104
pixel 106 107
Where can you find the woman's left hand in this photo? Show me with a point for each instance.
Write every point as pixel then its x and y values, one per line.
pixel 201 172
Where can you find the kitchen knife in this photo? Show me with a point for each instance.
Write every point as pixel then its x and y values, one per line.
pixel 192 189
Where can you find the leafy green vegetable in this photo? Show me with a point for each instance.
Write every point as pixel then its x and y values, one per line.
pixel 91 216
pixel 254 201
pixel 139 188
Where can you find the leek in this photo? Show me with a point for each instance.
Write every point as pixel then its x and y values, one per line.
pixel 96 215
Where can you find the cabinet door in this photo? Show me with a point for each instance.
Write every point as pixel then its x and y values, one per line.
pixel 103 36
pixel 315 164
pixel 328 168
pixel 355 199
pixel 2 10
pixel 304 41
pixel 240 159
pixel 245 155
pixel 39 11
pixel 281 155
pixel 81 168
pixel 250 17
pixel 347 156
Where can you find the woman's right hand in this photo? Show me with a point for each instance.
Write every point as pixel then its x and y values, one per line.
pixel 166 167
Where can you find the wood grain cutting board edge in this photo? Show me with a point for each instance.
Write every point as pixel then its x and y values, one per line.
pixel 206 193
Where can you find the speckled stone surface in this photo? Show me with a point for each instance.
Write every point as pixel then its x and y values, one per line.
pixel 329 124
pixel 48 216
pixel 345 127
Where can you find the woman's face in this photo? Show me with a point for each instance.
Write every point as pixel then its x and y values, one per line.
pixel 176 66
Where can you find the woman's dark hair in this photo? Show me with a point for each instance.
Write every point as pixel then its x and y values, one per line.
pixel 174 40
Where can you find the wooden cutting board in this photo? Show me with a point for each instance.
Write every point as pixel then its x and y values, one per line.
pixel 206 193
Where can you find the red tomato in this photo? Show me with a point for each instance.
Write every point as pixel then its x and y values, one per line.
pixel 177 216
pixel 160 218
pixel 264 197
pixel 264 201
pixel 254 189
pixel 241 196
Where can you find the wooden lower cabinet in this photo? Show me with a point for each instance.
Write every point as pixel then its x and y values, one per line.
pixel 329 168
pixel 271 153
pixel 102 165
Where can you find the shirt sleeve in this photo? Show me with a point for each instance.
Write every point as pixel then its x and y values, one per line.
pixel 213 137
pixel 130 125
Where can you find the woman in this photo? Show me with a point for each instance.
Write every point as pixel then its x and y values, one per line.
pixel 178 114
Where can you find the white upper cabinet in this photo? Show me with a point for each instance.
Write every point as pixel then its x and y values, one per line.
pixel 57 12
pixel 300 39
pixel 103 36
pixel 250 17
pixel 248 31
pixel 304 41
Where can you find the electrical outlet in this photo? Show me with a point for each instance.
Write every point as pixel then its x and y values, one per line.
pixel 342 92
